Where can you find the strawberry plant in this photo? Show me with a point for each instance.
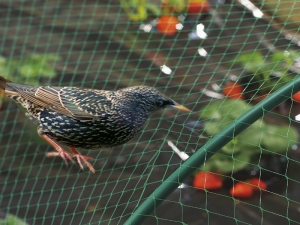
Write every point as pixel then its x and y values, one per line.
pixel 10 219
pixel 243 151
pixel 165 15
pixel 29 69
pixel 267 74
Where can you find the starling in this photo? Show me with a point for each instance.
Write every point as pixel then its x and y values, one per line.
pixel 86 118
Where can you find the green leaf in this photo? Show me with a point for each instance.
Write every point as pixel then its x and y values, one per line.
pixel 224 112
pixel 47 71
pixel 33 81
pixel 35 65
pixel 231 147
pixel 261 68
pixel 221 164
pixel 293 56
pixel 228 163
pixel 234 108
pixel 5 71
pixel 251 137
pixel 287 58
pixel 154 9
pixel 243 159
pixel 251 61
pixel 211 127
pixel 279 138
pixel 28 70
pixel 49 58
pixel 11 63
pixel 3 61
pixel 230 107
pixel 244 149
pixel 12 220
pixel 211 111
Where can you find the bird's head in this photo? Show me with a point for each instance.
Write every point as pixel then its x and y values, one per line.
pixel 149 99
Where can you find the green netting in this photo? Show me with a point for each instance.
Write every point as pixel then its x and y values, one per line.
pixel 115 44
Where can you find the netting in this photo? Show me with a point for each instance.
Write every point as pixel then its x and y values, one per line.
pixel 221 60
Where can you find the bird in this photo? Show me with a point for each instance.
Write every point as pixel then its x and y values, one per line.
pixel 86 118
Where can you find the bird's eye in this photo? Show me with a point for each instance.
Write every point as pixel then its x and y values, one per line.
pixel 159 103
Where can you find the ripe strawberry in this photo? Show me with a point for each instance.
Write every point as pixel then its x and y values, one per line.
pixel 233 90
pixel 258 184
pixel 198 6
pixel 208 181
pixel 167 25
pixel 296 96
pixel 241 190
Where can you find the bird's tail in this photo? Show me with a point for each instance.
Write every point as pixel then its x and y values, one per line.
pixel 3 83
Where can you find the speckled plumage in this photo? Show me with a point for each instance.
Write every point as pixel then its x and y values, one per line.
pixel 86 118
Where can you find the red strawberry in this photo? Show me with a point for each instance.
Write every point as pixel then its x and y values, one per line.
pixel 198 6
pixel 296 96
pixel 208 181
pixel 258 184
pixel 233 90
pixel 167 25
pixel 241 190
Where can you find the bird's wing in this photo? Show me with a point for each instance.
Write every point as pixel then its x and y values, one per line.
pixel 62 101
pixel 24 91
pixel 70 101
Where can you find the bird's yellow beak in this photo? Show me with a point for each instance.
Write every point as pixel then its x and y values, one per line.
pixel 183 108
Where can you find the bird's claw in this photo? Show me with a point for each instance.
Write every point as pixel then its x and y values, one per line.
pixel 69 156
pixel 84 159
pixel 63 154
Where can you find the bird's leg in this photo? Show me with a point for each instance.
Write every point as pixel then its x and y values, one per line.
pixel 67 155
pixel 60 151
pixel 82 158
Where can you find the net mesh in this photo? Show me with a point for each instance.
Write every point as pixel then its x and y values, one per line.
pixel 112 44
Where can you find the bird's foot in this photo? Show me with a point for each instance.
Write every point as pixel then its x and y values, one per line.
pixel 60 151
pixel 69 156
pixel 65 155
pixel 84 159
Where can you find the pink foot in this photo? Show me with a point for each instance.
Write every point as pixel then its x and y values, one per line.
pixel 84 159
pixel 63 154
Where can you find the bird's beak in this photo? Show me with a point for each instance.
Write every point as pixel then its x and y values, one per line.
pixel 181 107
